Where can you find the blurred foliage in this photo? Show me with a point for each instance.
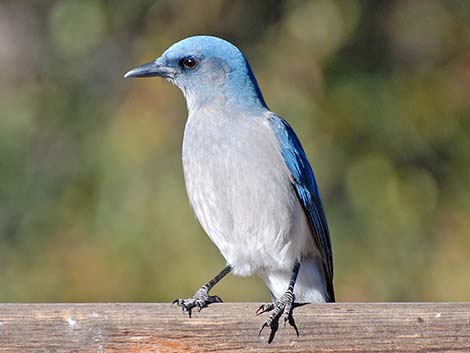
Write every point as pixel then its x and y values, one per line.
pixel 92 199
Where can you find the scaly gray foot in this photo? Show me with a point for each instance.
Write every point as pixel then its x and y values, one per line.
pixel 282 307
pixel 200 300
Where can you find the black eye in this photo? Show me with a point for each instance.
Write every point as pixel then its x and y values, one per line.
pixel 189 63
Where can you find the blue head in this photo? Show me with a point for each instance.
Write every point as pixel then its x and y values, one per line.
pixel 207 70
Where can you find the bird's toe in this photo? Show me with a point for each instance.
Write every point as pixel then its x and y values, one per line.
pixel 200 300
pixel 282 307
pixel 264 308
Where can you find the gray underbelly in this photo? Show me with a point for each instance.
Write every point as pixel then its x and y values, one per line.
pixel 255 220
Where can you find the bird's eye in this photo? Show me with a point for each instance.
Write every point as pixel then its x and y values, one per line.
pixel 189 63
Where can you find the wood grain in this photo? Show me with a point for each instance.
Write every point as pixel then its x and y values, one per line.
pixel 233 327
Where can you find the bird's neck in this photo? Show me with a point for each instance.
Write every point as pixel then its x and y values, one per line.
pixel 223 100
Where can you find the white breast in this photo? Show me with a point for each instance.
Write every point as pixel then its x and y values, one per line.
pixel 240 190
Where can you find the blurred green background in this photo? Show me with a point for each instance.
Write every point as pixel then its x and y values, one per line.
pixel 92 198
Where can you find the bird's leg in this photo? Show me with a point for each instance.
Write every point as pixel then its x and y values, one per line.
pixel 283 306
pixel 201 298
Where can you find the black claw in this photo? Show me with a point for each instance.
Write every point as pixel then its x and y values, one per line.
pixel 262 328
pixel 293 324
pixel 274 327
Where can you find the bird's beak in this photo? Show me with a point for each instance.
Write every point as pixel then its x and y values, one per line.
pixel 151 69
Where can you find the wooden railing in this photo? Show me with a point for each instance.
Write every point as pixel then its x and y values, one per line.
pixel 233 327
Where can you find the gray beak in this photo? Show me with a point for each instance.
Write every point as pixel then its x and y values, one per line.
pixel 151 69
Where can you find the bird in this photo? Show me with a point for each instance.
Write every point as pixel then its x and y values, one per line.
pixel 248 180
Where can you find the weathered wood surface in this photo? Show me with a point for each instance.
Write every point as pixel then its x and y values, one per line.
pixel 233 327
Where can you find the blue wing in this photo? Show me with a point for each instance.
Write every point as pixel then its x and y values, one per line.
pixel 306 188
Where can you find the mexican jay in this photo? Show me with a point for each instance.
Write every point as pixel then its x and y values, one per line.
pixel 247 178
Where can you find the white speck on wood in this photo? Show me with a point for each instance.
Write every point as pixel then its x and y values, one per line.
pixel 136 338
pixel 71 322
pixel 438 315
